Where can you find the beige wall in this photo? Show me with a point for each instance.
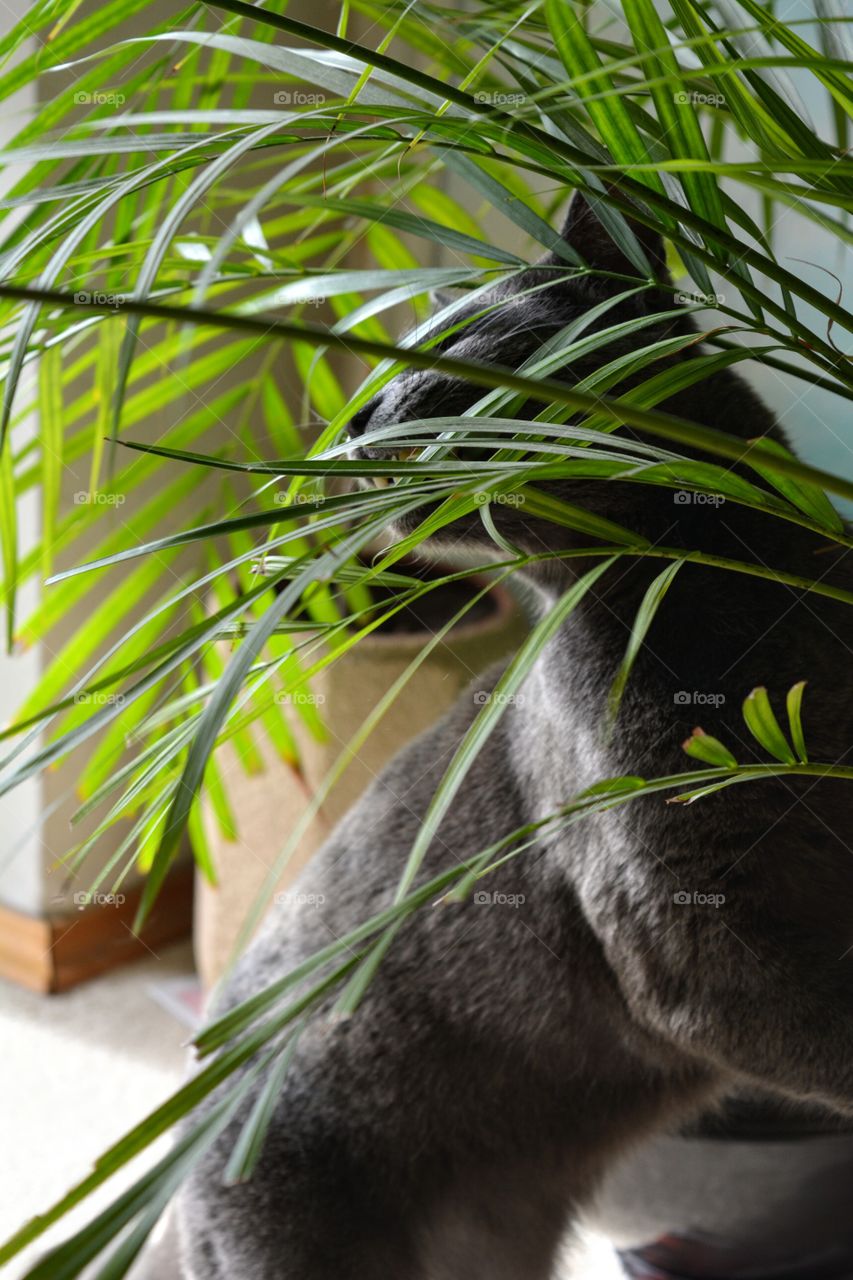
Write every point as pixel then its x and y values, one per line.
pixel 21 881
pixel 35 819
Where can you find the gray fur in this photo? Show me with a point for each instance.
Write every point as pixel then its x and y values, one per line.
pixel 507 1052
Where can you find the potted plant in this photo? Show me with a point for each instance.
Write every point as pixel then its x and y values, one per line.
pixel 178 229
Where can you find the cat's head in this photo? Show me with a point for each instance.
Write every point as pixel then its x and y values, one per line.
pixel 534 306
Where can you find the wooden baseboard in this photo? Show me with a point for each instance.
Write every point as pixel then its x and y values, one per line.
pixel 58 952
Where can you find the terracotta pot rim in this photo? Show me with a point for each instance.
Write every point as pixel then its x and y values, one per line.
pixel 499 594
pixel 491 625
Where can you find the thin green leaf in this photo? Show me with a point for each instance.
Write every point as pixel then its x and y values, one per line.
pixel 794 703
pixel 702 746
pixel 643 619
pixel 249 1145
pixel 764 727
pixel 806 497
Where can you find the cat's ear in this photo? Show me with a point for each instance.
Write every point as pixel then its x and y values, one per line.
pixel 585 230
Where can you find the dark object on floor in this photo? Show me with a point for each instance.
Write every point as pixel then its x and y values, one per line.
pixel 758 1191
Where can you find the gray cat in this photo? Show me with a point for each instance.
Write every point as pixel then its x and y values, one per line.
pixel 620 977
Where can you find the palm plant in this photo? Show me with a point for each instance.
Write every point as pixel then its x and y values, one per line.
pixel 191 195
